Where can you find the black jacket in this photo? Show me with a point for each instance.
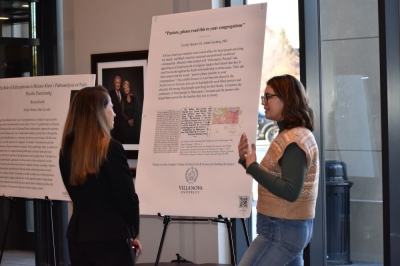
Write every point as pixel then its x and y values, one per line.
pixel 106 206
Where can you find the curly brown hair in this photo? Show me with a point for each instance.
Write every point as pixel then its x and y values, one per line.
pixel 296 111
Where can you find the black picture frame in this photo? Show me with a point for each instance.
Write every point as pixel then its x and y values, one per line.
pixel 129 66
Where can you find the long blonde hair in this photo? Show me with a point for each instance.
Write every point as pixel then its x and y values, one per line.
pixel 86 127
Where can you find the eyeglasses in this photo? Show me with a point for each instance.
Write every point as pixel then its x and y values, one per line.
pixel 267 96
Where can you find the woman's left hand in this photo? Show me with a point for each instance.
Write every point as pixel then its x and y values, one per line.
pixel 251 156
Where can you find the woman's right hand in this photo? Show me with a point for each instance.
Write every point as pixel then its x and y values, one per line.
pixel 136 244
pixel 243 146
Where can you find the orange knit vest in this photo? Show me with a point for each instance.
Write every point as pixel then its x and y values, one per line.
pixel 304 207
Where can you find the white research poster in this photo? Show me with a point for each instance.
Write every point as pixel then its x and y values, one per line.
pixel 201 93
pixel 32 120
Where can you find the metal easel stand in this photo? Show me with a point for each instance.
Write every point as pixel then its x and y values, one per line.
pixel 220 219
pixel 50 217
pixel 7 226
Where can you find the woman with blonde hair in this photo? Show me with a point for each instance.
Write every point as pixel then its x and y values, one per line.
pixel 94 168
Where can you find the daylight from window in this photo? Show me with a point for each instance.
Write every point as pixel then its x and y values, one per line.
pixel 281 56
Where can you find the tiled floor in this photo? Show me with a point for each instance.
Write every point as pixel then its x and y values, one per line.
pixel 18 258
pixel 26 258
pixel 357 264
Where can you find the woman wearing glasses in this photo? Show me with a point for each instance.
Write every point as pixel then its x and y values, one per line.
pixel 287 177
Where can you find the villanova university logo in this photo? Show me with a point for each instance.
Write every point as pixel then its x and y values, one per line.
pixel 191 175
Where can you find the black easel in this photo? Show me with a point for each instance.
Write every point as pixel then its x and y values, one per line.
pixel 7 226
pixel 246 233
pixel 48 231
pixel 220 219
pixel 50 215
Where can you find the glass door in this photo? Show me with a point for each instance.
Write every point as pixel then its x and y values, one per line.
pixel 18 58
pixel 351 112
pixel 18 43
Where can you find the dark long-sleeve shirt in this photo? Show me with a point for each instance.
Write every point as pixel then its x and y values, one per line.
pixel 293 164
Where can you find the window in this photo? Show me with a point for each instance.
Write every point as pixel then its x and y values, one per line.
pixel 281 56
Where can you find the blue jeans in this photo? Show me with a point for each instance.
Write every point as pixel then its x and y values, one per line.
pixel 279 242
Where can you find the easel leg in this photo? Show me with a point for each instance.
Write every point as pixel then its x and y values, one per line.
pixel 166 221
pixel 246 233
pixel 50 216
pixel 229 227
pixel 7 226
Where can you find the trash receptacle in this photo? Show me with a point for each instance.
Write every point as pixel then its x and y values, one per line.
pixel 337 212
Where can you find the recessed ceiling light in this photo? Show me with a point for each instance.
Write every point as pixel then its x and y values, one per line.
pixel 25 5
pixel 3 18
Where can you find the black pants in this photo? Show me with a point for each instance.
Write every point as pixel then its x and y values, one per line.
pixel 104 253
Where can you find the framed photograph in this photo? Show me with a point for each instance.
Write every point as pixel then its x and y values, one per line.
pixel 123 75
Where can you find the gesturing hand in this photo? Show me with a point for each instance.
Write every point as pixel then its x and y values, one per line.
pixel 243 146
pixel 251 156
